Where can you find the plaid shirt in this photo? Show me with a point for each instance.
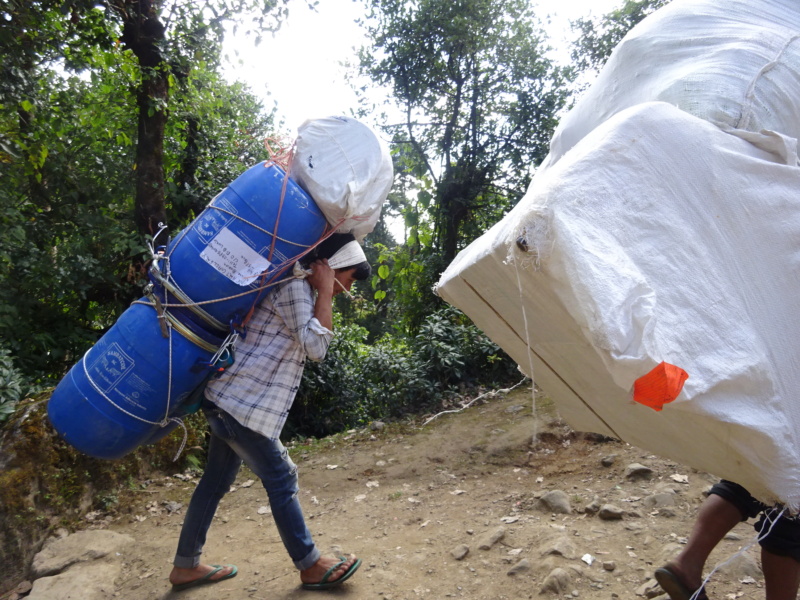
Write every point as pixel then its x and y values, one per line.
pixel 259 388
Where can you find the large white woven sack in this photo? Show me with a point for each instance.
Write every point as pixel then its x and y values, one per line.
pixel 660 235
pixel 346 168
pixel 733 63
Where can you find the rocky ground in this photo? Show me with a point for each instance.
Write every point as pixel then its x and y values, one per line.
pixel 465 506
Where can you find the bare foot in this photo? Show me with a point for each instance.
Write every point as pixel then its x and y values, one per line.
pixel 179 576
pixel 316 572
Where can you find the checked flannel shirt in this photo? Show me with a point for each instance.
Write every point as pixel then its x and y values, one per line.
pixel 259 388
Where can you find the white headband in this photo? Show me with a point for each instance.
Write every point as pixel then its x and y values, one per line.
pixel 348 255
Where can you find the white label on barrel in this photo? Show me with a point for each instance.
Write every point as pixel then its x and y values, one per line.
pixel 233 258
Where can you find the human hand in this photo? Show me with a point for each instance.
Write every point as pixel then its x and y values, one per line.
pixel 322 276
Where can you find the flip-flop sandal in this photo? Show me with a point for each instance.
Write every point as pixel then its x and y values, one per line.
pixel 674 587
pixel 324 584
pixel 207 578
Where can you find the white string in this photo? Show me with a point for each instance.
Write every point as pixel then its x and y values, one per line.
pixel 109 400
pixel 759 536
pixel 167 419
pixel 185 437
pixel 298 272
pixel 491 394
pixel 261 229
pixel 161 423
pixel 534 435
pixel 227 344
pixel 345 291
pixel 201 302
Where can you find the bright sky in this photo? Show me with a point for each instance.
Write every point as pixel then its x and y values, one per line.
pixel 300 68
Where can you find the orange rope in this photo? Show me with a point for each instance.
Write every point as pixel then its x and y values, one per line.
pixel 282 155
pixel 280 209
pixel 280 152
pixel 265 283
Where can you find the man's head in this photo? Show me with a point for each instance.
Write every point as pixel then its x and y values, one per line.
pixel 345 256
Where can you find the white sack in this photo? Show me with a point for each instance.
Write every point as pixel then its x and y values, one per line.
pixel 734 63
pixel 661 236
pixel 346 169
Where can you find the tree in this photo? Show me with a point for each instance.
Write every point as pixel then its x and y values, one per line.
pixel 70 257
pixel 598 38
pixel 478 99
pixel 197 31
pixel 166 39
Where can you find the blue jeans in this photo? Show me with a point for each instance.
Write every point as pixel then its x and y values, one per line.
pixel 232 443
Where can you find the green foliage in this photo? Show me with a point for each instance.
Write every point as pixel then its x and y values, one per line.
pixel 71 152
pixel 453 351
pixel 13 386
pixel 35 33
pixel 217 132
pixel 598 37
pixel 411 273
pixel 395 376
pixel 66 239
pixel 70 257
pixel 480 98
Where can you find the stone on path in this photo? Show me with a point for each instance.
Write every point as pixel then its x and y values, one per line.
pixel 660 500
pixel 459 552
pixel 609 512
pixel 741 567
pixel 557 582
pixel 556 501
pixel 669 551
pixel 492 538
pixel 522 566
pixel 593 506
pixel 609 460
pixel 20 591
pixel 81 566
pixel 83 581
pixel 649 589
pixel 561 546
pixel 83 546
pixel 636 471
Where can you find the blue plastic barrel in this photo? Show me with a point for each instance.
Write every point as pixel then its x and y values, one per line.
pixel 223 252
pixel 112 401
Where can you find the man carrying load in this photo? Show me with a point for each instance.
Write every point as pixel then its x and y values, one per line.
pixel 248 406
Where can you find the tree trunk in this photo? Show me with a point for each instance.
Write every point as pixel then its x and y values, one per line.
pixel 452 210
pixel 143 33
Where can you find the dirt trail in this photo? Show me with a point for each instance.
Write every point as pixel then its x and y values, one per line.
pixel 405 499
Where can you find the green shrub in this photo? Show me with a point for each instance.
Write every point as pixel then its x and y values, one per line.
pixel 454 352
pixel 13 386
pixel 396 376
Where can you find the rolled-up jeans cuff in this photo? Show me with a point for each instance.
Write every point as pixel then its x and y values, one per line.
pixel 186 562
pixel 309 560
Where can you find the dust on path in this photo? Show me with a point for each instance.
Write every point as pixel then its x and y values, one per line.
pixel 404 498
